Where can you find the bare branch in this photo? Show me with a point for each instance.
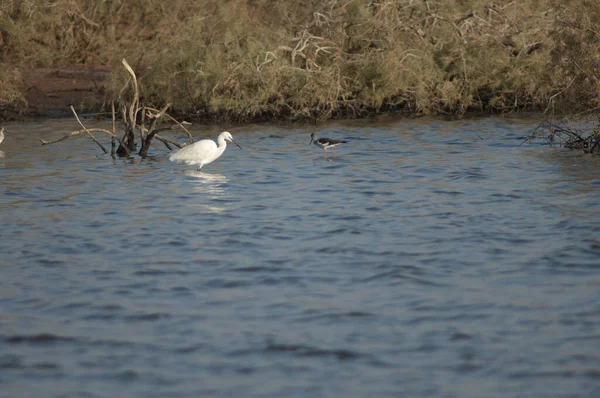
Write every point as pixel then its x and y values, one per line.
pixel 133 108
pixel 156 117
pixel 167 142
pixel 85 129
pixel 114 130
pixel 147 140
pixel 74 133
pixel 180 124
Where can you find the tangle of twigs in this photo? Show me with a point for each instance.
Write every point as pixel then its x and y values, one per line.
pixel 131 111
pixel 566 134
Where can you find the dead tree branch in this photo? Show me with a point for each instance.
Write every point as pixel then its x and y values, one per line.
pixel 130 112
pixel 180 124
pixel 114 130
pixel 130 108
pixel 75 133
pixel 89 133
pixel 147 140
pixel 567 136
pixel 168 142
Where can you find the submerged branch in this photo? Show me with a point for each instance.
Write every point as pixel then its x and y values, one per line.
pixel 147 139
pixel 584 139
pixel 75 133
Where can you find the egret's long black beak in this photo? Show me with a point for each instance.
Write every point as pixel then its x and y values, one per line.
pixel 238 145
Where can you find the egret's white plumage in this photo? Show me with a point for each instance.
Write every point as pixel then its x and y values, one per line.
pixel 1 134
pixel 204 151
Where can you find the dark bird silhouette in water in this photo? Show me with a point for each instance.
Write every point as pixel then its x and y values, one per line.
pixel 325 143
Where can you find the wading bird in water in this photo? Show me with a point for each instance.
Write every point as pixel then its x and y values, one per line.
pixel 325 143
pixel 204 151
pixel 2 134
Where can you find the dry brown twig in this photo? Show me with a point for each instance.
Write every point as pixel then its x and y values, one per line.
pixel 180 124
pixel 568 136
pixel 77 132
pixel 114 130
pixel 85 129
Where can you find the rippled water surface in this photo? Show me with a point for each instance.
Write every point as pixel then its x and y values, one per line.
pixel 421 261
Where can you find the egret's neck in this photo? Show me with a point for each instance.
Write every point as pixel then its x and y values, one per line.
pixel 221 145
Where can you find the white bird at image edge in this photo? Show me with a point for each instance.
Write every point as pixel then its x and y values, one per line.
pixel 204 151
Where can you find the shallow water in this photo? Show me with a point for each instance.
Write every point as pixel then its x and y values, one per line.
pixel 421 261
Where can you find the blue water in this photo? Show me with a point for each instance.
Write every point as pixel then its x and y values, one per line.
pixel 421 261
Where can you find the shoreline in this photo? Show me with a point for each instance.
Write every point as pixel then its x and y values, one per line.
pixel 50 92
pixel 246 62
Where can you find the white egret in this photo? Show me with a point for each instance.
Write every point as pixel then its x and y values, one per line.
pixel 1 134
pixel 325 143
pixel 204 151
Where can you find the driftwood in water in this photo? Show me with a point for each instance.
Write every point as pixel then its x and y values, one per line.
pixel 579 136
pixel 131 111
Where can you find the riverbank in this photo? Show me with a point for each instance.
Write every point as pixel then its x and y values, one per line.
pixel 240 60
pixel 49 93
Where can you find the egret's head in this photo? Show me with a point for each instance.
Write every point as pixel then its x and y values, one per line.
pixel 227 136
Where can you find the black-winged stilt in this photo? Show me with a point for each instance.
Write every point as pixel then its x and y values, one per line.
pixel 325 143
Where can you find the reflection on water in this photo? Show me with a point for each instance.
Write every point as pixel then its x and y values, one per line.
pixel 206 178
pixel 420 261
pixel 211 185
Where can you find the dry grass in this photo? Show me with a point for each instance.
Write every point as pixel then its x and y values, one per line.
pixel 11 99
pixel 249 59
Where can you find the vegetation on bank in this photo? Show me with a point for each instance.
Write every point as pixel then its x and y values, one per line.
pixel 317 59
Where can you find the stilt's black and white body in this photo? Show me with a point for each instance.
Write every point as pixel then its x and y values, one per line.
pixel 325 143
pixel 204 151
